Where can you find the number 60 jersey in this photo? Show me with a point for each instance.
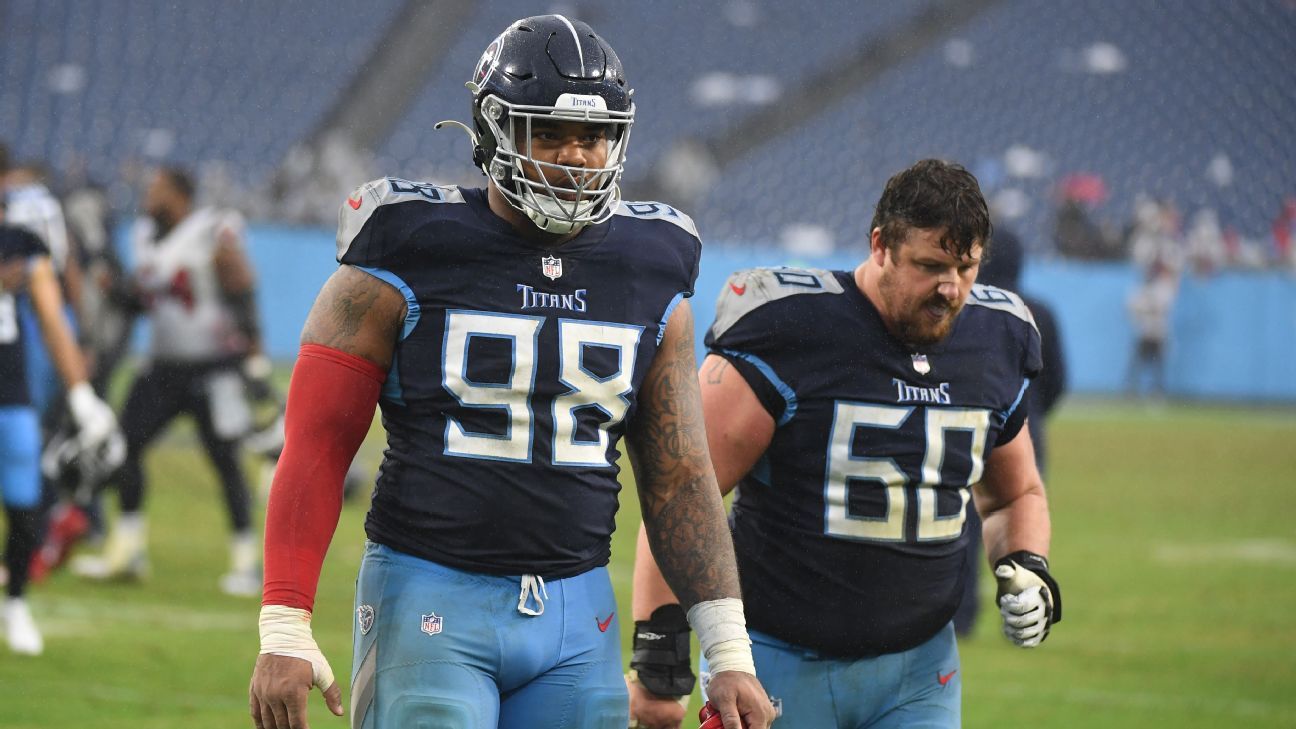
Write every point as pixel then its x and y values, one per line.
pixel 515 375
pixel 850 529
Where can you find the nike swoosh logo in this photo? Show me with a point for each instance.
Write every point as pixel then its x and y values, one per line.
pixel 355 202
pixel 740 290
pixel 603 624
pixel 942 680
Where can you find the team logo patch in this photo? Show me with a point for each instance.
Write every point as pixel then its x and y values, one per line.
pixel 551 267
pixel 432 624
pixel 487 63
pixel 920 364
pixel 365 618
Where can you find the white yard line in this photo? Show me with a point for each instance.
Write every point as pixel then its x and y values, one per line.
pixel 1257 551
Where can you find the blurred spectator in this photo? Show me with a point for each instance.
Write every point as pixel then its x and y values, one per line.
pixel 1154 237
pixel 1003 270
pixel 1075 232
pixel 1149 309
pixel 1284 234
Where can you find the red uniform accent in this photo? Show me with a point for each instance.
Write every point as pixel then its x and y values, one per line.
pixel 331 402
pixel 710 718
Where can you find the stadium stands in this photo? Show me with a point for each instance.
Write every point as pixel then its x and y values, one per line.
pixel 107 82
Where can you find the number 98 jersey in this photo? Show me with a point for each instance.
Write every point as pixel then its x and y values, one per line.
pixel 850 529
pixel 515 375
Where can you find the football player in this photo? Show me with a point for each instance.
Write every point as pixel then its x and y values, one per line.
pixel 197 287
pixel 857 412
pixel 26 272
pixel 512 336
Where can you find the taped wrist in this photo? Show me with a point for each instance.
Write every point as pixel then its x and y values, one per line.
pixel 661 652
pixel 722 633
pixel 1038 564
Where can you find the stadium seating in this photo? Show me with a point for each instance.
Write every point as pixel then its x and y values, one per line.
pixel 1190 103
pixel 106 82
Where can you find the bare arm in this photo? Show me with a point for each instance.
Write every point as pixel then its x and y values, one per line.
pixel 330 407
pixel 738 430
pixel 1011 500
pixel 682 510
pixel 238 283
pixel 47 302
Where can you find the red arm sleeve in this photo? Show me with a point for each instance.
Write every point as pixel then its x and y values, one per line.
pixel 331 403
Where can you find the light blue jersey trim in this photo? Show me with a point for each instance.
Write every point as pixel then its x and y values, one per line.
pixel 789 395
pixel 412 311
pixel 1020 394
pixel 665 319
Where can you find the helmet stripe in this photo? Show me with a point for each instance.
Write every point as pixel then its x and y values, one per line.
pixel 576 37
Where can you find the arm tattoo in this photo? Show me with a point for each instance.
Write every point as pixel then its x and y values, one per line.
pixel 354 313
pixel 677 489
pixel 715 372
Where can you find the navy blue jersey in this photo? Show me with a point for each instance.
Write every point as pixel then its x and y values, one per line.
pixel 15 244
pixel 515 375
pixel 850 529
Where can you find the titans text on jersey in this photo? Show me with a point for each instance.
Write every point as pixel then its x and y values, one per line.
pixel 867 478
pixel 536 356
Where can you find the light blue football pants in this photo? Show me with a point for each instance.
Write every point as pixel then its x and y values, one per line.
pixel 919 688
pixel 436 647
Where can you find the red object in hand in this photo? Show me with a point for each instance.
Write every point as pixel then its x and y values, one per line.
pixel 710 718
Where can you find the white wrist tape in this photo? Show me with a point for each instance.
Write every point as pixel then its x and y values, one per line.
pixel 286 631
pixel 722 632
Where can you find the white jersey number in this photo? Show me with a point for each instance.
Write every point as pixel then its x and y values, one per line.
pixel 845 470
pixel 607 394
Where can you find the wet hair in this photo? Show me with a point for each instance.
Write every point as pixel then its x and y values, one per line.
pixel 180 179
pixel 934 194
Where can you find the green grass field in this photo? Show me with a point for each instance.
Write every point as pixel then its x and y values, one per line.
pixel 1173 542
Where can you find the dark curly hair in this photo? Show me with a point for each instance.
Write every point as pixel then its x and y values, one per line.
pixel 934 194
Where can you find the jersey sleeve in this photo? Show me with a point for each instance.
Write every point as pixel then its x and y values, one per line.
pixel 16 242
pixel 379 216
pixel 755 325
pixel 1027 340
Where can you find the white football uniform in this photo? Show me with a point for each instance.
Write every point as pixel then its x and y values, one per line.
pixel 190 318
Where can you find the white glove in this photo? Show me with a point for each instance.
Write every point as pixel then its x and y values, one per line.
pixel 1029 599
pixel 286 631
pixel 97 430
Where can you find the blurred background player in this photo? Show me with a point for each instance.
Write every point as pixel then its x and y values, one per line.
pixel 1003 271
pixel 197 289
pixel 857 412
pixel 26 272
pixel 513 336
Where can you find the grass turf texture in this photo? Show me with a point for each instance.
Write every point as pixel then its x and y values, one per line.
pixel 1173 543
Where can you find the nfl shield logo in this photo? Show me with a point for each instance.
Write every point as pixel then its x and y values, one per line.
pixel 432 624
pixel 365 617
pixel 920 364
pixel 551 267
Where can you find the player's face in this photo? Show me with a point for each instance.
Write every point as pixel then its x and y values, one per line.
pixel 567 143
pixel 157 196
pixel 923 286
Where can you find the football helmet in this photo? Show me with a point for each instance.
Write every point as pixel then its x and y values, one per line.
pixel 549 67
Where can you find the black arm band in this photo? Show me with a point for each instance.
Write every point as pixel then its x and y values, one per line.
pixel 661 652
pixel 1039 565
pixel 243 307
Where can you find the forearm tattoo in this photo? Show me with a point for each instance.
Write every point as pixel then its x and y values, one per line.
pixel 677 489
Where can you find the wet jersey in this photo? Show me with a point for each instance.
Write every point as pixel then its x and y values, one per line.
pixel 516 372
pixel 15 244
pixel 850 528
pixel 191 321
